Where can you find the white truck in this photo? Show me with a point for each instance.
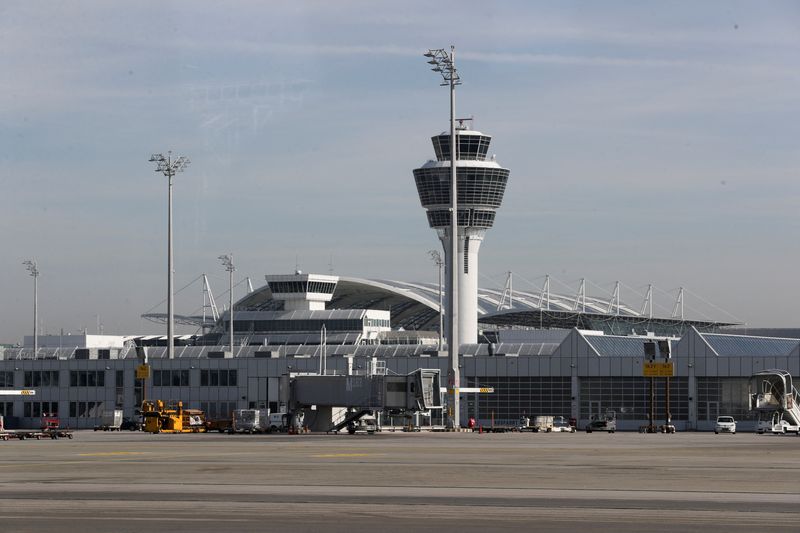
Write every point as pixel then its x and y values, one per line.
pixel 250 420
pixel 277 423
pixel 110 421
pixel 536 424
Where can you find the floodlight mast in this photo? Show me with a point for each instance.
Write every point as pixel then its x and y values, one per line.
pixel 169 167
pixel 30 266
pixel 227 262
pixel 444 63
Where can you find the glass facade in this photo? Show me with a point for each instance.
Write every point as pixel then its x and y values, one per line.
pixel 85 409
pixel 286 326
pixel 470 147
pixel 39 409
pixel 629 397
pixel 514 397
pixel 323 287
pixel 483 186
pixel 476 218
pixel 723 396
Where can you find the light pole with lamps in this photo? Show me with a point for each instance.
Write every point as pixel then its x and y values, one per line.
pixel 169 167
pixel 437 259
pixel 444 63
pixel 30 265
pixel 227 262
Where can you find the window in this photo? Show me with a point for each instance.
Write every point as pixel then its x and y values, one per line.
pixel 41 378
pixel 170 378
pixel 218 378
pixel 6 379
pixel 87 378
pixel 39 409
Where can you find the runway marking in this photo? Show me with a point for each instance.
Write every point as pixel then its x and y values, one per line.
pixel 103 454
pixel 348 454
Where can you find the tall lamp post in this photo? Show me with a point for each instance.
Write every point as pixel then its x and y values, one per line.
pixel 30 265
pixel 169 167
pixel 227 262
pixel 437 259
pixel 444 63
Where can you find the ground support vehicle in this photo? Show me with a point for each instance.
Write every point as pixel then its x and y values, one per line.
pixel 278 423
pixel 250 421
pixel 222 425
pixel 775 422
pixel 607 422
pixel 50 430
pixel 776 401
pixel 159 418
pixel 561 424
pixel 366 424
pixel 110 421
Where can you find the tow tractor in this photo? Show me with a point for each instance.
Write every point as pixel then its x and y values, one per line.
pixel 607 422
pixel 161 418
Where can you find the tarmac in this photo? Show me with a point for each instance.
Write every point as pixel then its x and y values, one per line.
pixel 126 482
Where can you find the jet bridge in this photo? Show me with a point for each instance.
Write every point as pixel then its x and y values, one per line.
pixel 366 393
pixel 771 391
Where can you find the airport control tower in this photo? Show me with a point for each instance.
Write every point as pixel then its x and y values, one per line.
pixel 481 183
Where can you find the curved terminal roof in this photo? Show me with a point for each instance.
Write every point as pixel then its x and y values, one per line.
pixel 415 306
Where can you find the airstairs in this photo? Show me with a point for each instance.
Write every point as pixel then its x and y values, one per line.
pixel 773 391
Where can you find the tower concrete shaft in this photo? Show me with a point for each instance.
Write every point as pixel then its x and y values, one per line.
pixel 480 187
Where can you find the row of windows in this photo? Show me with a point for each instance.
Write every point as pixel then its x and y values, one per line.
pixel 6 379
pixel 272 326
pixel 323 287
pixel 170 378
pixel 38 409
pixel 218 378
pixel 41 378
pixel 478 218
pixel 473 147
pixel 476 186
pixel 376 323
pixel 87 378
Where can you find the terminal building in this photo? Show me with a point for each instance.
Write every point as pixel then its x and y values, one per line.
pixel 557 371
pixel 543 353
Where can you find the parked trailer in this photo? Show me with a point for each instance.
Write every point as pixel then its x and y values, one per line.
pixel 50 430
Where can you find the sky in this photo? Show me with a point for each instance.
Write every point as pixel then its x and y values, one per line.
pixel 648 142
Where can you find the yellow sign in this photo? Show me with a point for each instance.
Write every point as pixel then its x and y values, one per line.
pixel 658 370
pixel 143 372
pixel 27 392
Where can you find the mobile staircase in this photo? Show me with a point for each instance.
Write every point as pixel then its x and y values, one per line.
pixel 773 396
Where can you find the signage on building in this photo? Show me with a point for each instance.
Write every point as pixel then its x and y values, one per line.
pixel 143 372
pixel 652 369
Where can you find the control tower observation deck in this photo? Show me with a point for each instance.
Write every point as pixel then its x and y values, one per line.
pixel 481 183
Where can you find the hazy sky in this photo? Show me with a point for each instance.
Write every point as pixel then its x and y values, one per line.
pixel 648 142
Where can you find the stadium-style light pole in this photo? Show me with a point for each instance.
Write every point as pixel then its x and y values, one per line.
pixel 169 167
pixel 444 63
pixel 30 265
pixel 227 262
pixel 437 259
